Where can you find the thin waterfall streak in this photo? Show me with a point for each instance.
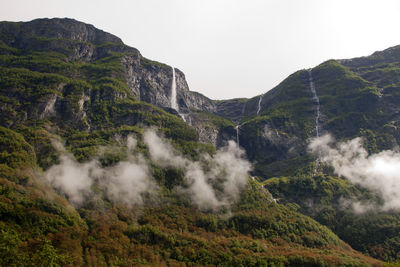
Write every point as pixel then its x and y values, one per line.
pixel 183 117
pixel 318 115
pixel 174 104
pixel 316 99
pixel 259 103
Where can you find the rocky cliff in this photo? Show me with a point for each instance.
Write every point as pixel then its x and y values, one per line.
pixel 77 50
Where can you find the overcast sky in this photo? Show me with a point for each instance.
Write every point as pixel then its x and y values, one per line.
pixel 232 48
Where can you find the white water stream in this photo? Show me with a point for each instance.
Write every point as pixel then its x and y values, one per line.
pixel 174 103
pixel 318 115
pixel 259 103
pixel 316 99
pixel 237 134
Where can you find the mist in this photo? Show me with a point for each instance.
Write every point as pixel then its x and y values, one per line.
pixel 72 178
pixel 125 182
pixel 377 172
pixel 220 184
pixel 212 182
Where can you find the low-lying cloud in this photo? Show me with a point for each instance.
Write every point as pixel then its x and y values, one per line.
pixel 211 182
pixel 227 169
pixel 378 172
pixel 72 178
pixel 125 182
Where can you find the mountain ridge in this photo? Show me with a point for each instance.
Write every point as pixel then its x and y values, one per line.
pixel 96 96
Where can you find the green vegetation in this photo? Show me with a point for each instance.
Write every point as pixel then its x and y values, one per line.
pixel 327 199
pixel 219 122
pixel 358 98
pixel 37 230
pixel 147 63
pixel 42 229
pixel 59 90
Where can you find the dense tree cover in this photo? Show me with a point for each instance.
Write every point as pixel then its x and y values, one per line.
pixel 40 228
pixel 325 198
pixel 37 231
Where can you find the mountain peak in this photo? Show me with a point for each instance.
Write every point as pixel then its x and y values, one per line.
pixel 59 28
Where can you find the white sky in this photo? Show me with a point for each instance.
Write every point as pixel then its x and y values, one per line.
pixel 232 48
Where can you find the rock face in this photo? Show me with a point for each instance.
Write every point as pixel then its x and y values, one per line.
pixel 81 41
pixel 286 113
pixel 197 101
pixel 285 119
pixel 240 109
pixel 28 34
pixel 211 128
pixel 101 55
pixel 151 82
pixel 232 109
pixel 64 29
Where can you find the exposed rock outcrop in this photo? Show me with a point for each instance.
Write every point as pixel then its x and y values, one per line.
pixel 56 28
pixel 232 109
pixel 147 80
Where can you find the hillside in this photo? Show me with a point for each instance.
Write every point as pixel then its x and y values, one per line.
pixel 99 167
pixel 357 98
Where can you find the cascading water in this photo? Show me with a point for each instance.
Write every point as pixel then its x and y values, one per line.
pixel 318 115
pixel 316 99
pixel 259 103
pixel 237 134
pixel 174 103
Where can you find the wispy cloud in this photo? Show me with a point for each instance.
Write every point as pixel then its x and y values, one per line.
pixel 378 172
pixel 211 182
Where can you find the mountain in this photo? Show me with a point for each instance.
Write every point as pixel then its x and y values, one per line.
pixel 98 166
pixel 356 98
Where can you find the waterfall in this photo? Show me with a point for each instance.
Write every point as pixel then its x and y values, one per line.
pixel 318 115
pixel 259 103
pixel 182 116
pixel 174 104
pixel 316 99
pixel 237 134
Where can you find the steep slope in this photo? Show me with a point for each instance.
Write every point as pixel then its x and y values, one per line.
pixel 85 182
pixel 354 98
pixel 357 98
pixel 83 53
